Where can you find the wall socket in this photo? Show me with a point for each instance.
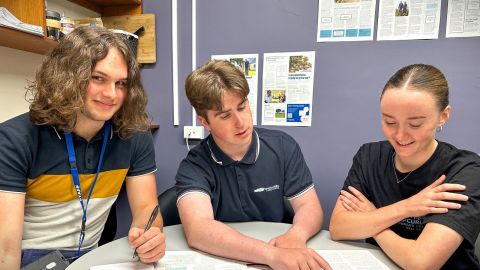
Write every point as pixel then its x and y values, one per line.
pixel 196 133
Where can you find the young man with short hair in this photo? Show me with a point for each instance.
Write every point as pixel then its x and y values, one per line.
pixel 241 173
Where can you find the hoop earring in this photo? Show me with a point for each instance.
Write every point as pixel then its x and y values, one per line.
pixel 439 128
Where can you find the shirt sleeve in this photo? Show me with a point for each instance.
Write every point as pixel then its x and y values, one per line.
pixel 466 220
pixel 193 175
pixel 143 155
pixel 15 159
pixel 298 178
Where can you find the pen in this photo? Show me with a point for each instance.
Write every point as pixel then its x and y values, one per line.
pixel 153 216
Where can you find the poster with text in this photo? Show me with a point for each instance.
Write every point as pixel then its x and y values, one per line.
pixel 287 88
pixel 345 20
pixel 246 63
pixel 408 19
pixel 463 18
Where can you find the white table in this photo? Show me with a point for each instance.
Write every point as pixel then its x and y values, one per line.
pixel 119 250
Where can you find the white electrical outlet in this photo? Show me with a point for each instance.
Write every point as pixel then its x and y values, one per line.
pixel 193 133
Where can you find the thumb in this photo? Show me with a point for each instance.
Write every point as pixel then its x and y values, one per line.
pixel 133 234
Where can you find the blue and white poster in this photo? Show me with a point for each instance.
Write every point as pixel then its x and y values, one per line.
pixel 287 90
pixel 345 20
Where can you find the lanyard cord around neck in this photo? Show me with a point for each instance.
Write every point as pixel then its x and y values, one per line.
pixel 76 180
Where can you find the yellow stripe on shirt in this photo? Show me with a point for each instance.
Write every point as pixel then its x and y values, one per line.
pixel 59 188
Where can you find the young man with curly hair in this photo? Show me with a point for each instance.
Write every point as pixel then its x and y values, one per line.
pixel 63 163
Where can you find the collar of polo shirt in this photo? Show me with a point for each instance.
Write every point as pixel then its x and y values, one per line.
pixel 222 159
pixel 97 136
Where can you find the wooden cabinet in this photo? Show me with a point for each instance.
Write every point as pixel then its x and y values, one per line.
pixel 33 12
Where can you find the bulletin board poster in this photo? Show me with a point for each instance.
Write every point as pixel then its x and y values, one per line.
pixel 408 19
pixel 345 20
pixel 287 88
pixel 246 63
pixel 463 18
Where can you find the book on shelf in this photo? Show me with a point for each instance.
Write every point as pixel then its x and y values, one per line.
pixel 7 19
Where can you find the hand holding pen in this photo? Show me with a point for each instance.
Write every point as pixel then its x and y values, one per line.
pixel 156 240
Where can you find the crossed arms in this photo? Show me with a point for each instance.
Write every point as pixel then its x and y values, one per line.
pixel 355 217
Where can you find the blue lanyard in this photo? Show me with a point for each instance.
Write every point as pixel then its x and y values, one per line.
pixel 76 180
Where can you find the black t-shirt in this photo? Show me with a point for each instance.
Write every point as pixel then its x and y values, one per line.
pixel 372 173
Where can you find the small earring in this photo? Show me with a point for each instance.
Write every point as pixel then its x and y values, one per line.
pixel 439 128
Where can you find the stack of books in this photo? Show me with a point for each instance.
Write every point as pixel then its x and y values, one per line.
pixel 8 20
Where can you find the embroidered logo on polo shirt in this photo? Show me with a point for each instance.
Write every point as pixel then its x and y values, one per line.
pixel 267 189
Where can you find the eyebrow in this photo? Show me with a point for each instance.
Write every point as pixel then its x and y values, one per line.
pixel 106 75
pixel 226 111
pixel 410 118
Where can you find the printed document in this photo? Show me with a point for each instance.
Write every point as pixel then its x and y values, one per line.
pixel 463 18
pixel 195 260
pixel 287 88
pixel 351 259
pixel 408 19
pixel 345 20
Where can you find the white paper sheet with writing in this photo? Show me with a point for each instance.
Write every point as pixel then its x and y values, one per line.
pixel 345 260
pixel 351 259
pixel 193 260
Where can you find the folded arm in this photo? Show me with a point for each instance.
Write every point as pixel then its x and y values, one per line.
pixel 203 232
pixel 430 250
pixel 142 198
pixel 355 217
pixel 308 220
pixel 11 229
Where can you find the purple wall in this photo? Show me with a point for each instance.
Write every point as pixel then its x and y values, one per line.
pixel 349 77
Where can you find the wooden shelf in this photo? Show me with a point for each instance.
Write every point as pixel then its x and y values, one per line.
pixel 112 7
pixel 19 40
pixel 33 12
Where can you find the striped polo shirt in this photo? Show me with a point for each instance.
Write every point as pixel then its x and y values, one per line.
pixel 34 161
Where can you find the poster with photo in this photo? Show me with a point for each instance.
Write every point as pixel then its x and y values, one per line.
pixel 407 19
pixel 247 63
pixel 345 20
pixel 287 89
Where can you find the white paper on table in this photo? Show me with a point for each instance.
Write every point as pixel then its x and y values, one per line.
pixel 194 260
pixel 351 259
pixel 124 266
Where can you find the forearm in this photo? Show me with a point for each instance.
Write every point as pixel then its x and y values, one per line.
pixel 10 258
pixel 142 198
pixel 307 222
pixel 11 229
pixel 397 248
pixel 433 247
pixel 219 239
pixel 141 216
pixel 348 225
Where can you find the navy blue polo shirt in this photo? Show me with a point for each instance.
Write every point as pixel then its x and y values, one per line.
pixel 253 188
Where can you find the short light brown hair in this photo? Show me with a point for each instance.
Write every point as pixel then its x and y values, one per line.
pixel 421 77
pixel 206 85
pixel 59 89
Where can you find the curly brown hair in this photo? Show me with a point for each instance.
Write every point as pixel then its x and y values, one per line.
pixel 58 92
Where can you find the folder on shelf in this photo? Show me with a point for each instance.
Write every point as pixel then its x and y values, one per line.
pixel 7 19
